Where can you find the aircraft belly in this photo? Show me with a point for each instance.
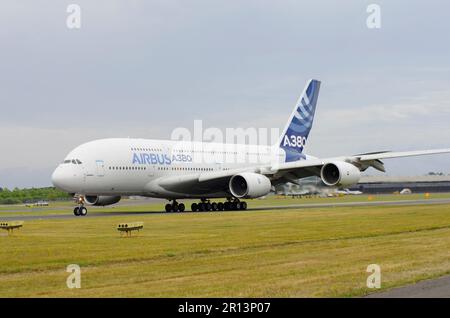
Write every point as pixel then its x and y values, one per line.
pixel 214 188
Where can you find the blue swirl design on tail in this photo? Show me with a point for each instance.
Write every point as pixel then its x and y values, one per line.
pixel 295 135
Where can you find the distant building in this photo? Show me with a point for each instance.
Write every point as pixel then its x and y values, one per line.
pixel 419 184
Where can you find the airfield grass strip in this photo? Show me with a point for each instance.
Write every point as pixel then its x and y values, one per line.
pixel 138 283
pixel 322 252
pixel 130 260
pixel 230 251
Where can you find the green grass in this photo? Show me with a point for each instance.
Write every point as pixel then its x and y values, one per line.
pixel 288 253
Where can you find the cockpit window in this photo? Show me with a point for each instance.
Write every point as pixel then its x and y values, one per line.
pixel 73 161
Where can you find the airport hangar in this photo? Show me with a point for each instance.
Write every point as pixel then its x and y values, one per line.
pixel 388 184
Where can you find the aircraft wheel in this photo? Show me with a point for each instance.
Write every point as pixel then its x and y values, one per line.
pixel 76 211
pixel 82 211
pixel 181 207
pixel 243 205
pixel 220 206
pixel 175 207
pixel 214 206
pixel 194 207
pixel 168 207
pixel 227 206
pixel 208 206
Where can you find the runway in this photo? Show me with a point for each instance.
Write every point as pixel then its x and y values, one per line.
pixel 281 208
pixel 432 288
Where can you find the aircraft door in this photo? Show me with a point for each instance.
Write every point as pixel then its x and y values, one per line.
pixel 100 168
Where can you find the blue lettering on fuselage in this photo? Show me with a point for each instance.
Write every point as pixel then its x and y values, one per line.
pixel 136 159
pixel 182 158
pixel 161 159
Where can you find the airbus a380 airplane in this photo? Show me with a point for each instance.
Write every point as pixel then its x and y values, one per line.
pixel 101 171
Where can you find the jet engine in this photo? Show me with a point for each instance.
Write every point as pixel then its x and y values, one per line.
pixel 101 200
pixel 249 185
pixel 339 173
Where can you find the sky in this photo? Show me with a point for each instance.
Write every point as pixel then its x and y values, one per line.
pixel 143 68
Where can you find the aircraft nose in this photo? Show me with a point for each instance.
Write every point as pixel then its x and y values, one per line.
pixel 58 178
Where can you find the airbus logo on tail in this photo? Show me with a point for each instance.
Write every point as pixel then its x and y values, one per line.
pixel 299 125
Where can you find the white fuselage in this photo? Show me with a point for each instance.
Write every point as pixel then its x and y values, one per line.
pixel 126 166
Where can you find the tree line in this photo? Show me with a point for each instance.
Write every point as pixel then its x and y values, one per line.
pixel 17 195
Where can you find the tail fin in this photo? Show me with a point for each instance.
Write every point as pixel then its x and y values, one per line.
pixel 295 134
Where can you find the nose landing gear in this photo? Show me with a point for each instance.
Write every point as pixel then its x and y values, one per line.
pixel 80 210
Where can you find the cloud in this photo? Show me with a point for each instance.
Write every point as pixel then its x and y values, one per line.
pixel 142 68
pixel 420 109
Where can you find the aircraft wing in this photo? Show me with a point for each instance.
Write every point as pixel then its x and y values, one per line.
pixel 282 172
pixel 388 155
pixel 206 182
pixel 217 181
pixel 301 168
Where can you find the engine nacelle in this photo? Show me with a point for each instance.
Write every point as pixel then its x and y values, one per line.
pixel 101 200
pixel 340 173
pixel 249 185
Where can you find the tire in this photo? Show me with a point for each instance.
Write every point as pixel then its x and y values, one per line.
pixel 220 206
pixel 243 205
pixel 168 207
pixel 214 206
pixel 227 206
pixel 234 206
pixel 194 207
pixel 82 211
pixel 76 211
pixel 175 207
pixel 208 206
pixel 181 207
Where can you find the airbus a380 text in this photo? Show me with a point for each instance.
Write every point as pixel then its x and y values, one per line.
pixel 100 172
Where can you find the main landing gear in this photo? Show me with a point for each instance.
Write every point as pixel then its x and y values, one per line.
pixel 229 205
pixel 80 210
pixel 175 207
